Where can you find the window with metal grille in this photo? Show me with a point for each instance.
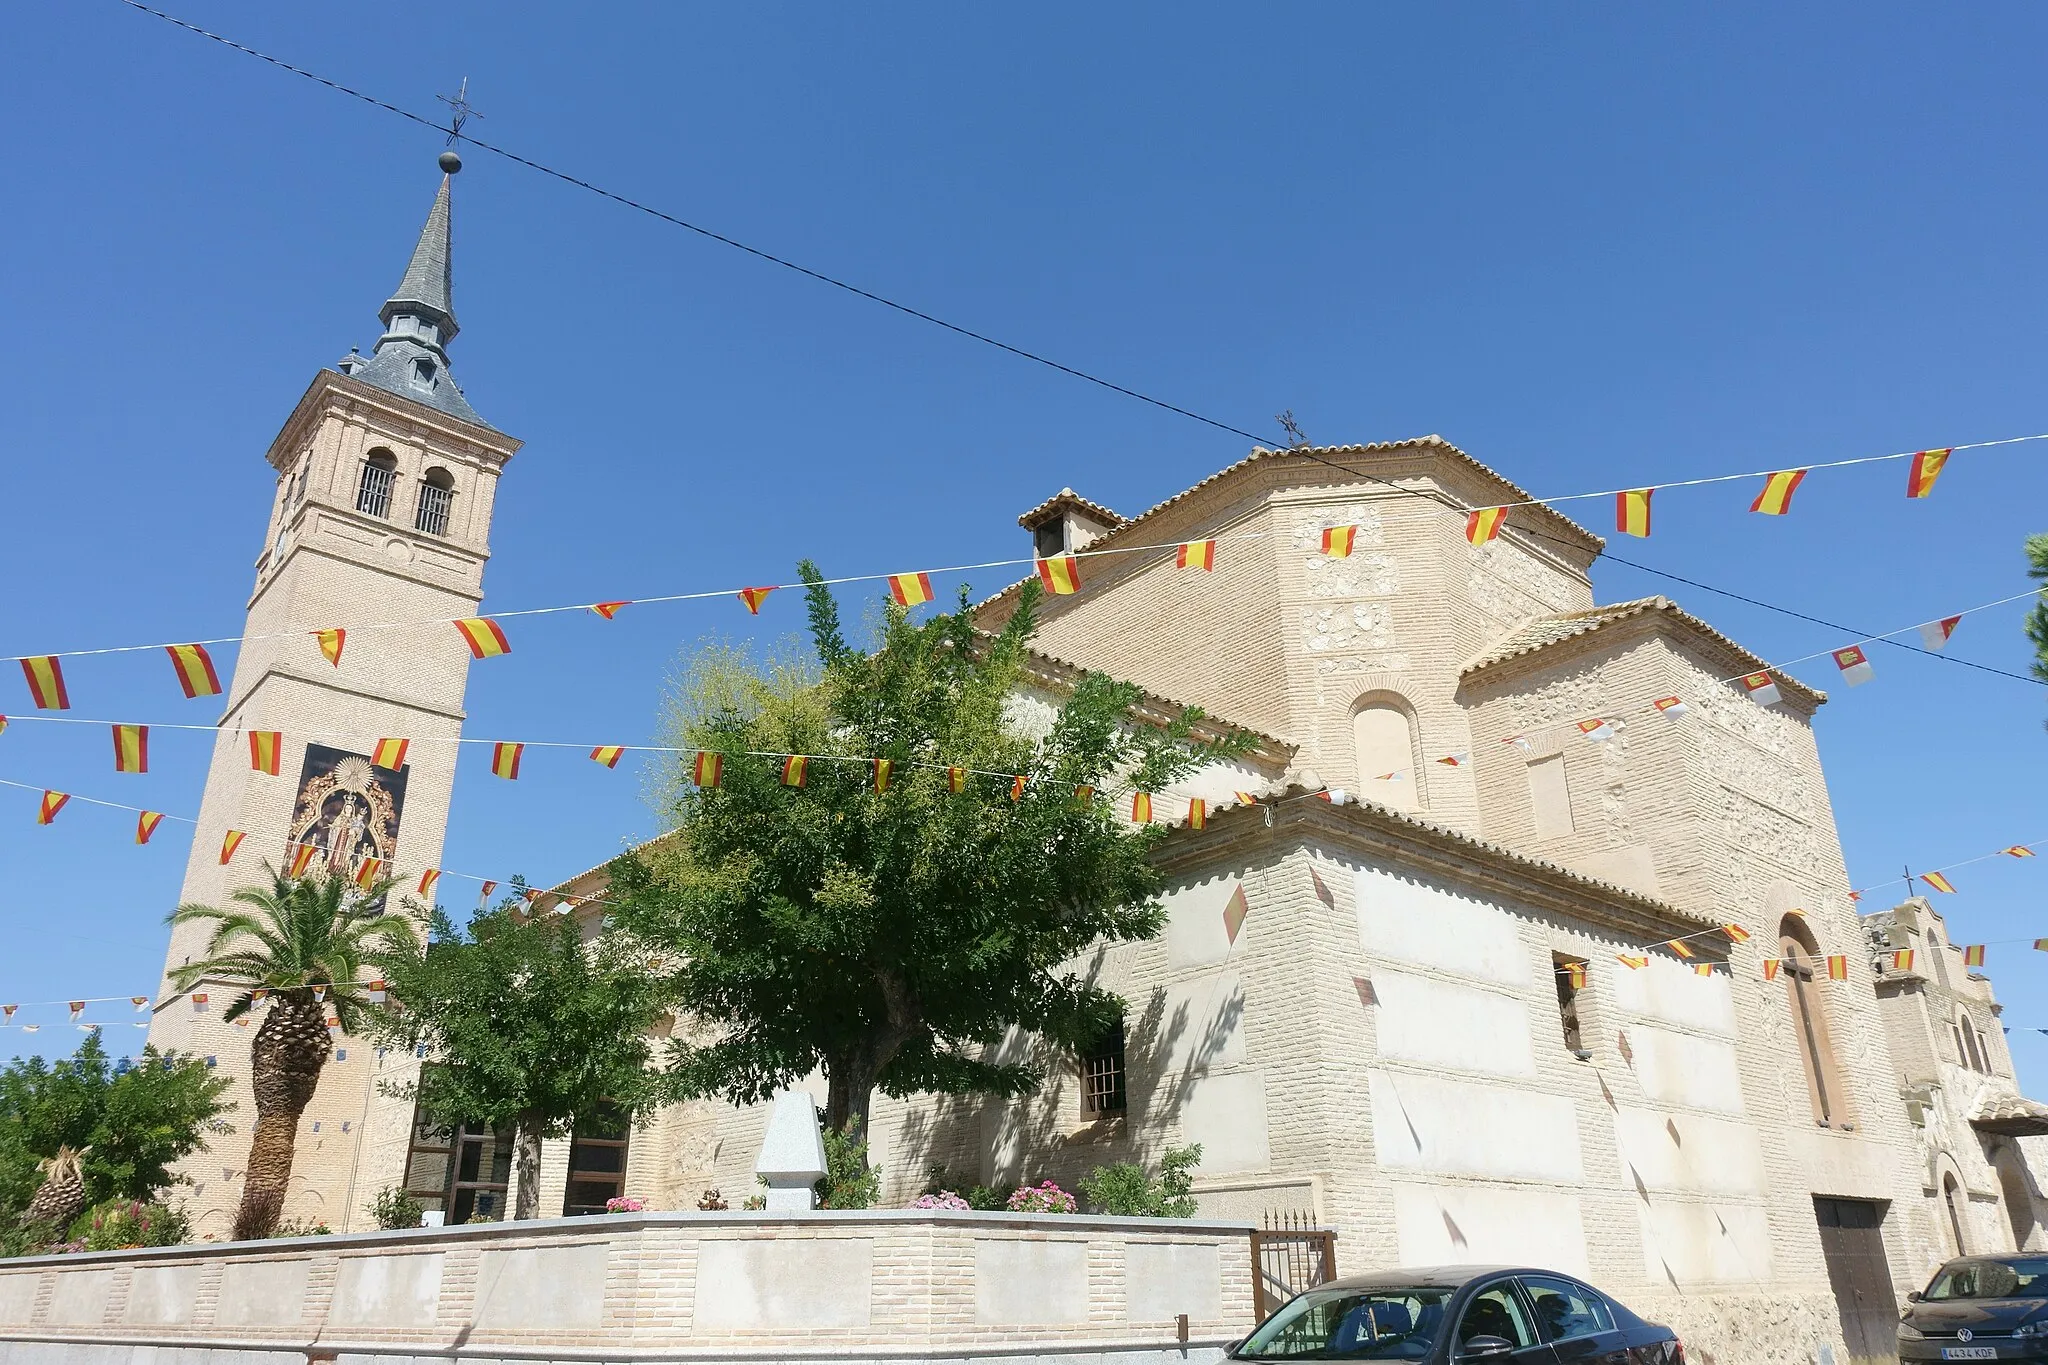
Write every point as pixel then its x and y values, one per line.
pixel 597 1163
pixel 1102 1075
pixel 380 476
pixel 464 1170
pixel 437 496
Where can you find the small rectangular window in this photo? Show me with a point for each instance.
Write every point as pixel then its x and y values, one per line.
pixel 597 1163
pixel 1102 1076
pixel 1571 983
pixel 1550 799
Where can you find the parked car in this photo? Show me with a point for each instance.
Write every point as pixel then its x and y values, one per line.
pixel 1448 1314
pixel 1979 1308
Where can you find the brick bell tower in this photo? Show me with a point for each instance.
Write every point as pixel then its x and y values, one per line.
pixel 385 483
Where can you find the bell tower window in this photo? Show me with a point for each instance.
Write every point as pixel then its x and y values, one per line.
pixel 380 476
pixel 437 496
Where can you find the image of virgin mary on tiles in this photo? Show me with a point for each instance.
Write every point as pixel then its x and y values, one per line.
pixel 348 809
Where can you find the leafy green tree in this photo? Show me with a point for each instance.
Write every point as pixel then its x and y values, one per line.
pixel 1126 1190
pixel 133 1124
pixel 528 1027
pixel 291 939
pixel 2037 619
pixel 891 937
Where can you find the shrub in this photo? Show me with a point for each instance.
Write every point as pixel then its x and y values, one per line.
pixel 119 1224
pixel 394 1208
pixel 944 1199
pixel 712 1202
pixel 624 1204
pixel 300 1227
pixel 30 1239
pixel 849 1182
pixel 1043 1198
pixel 938 1180
pixel 1125 1190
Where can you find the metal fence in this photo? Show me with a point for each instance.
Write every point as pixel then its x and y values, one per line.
pixel 1289 1254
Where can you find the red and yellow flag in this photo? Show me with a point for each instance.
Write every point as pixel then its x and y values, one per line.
pixel 910 589
pixel 427 880
pixel 1938 882
pixel 485 637
pixel 956 780
pixel 1245 798
pixel 1234 911
pixel 885 771
pixel 266 750
pixel 45 675
pixel 1702 969
pixel 1198 813
pixel 794 769
pixel 608 754
pixel 146 823
pixel 52 803
pixel 1838 967
pixel 390 753
pixel 1776 498
pixel 1141 807
pixel 131 748
pixel 302 858
pixel 367 872
pixel 1973 955
pixel 1632 511
pixel 1017 787
pixel 1679 946
pixel 1633 963
pixel 1484 524
pixel 1061 575
pixel 1084 792
pixel 1338 540
pixel 2018 851
pixel 1902 960
pixel 1575 974
pixel 1925 469
pixel 1196 554
pixel 608 609
pixel 331 642
pixel 1736 933
pixel 707 769
pixel 505 757
pixel 229 843
pixel 194 667
pixel 754 597
pixel 1771 965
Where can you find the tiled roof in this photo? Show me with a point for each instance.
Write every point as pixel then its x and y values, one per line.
pixel 1067 497
pixel 2010 1115
pixel 1543 632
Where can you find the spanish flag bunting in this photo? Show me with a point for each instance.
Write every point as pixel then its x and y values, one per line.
pixel 367 870
pixel 77 1008
pixel 483 893
pixel 885 770
pixel 1736 933
pixel 1632 962
pixel 131 748
pixel 794 769
pixel 910 589
pixel 1245 798
pixel 608 754
pixel 1632 511
pixel 754 597
pixel 331 642
pixel 229 843
pixel 1702 969
pixel 1234 911
pixel 1934 634
pixel 1017 788
pixel 1771 965
pixel 532 894
pixel 427 880
pixel 1776 498
pixel 51 804
pixel 2041 945
pixel 390 753
pixel 1456 760
pixel 1484 524
pixel 1926 468
pixel 1938 882
pixel 319 993
pixel 199 1000
pixel 1575 975
pixel 505 757
pixel 956 779
pixel 1198 813
pixel 45 676
pixel 707 769
pixel 1597 729
pixel 1061 575
pixel 266 748
pixel 1678 946
pixel 1762 688
pixel 1084 792
pixel 141 1002
pixel 1838 967
pixel 1855 666
pixel 1520 742
pixel 1973 955
pixel 2018 851
pixel 302 858
pixel 1196 554
pixel 194 667
pixel 377 991
pixel 1338 540
pixel 146 823
pixel 7 1011
pixel 485 637
pixel 1671 708
pixel 608 609
pixel 1141 807
pixel 1902 960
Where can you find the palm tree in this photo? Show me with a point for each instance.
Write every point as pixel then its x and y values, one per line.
pixel 293 936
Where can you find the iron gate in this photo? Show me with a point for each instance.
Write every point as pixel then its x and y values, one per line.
pixel 1288 1256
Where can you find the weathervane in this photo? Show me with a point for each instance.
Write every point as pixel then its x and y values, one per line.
pixel 460 111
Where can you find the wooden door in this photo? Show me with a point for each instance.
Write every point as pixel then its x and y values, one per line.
pixel 1852 1240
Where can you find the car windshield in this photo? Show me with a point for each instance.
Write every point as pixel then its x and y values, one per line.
pixel 1355 1324
pixel 2020 1278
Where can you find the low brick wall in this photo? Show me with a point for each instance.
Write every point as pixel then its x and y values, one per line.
pixel 649 1287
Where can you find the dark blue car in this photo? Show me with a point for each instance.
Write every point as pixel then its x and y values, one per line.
pixel 1979 1308
pixel 1458 1313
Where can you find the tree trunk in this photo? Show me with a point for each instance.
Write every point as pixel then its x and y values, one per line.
pixel 526 1163
pixel 849 1084
pixel 850 1077
pixel 285 1061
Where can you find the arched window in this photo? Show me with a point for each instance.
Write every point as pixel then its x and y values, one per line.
pixel 1383 738
pixel 437 495
pixel 1952 1200
pixel 2019 1201
pixel 1973 1053
pixel 1800 952
pixel 380 476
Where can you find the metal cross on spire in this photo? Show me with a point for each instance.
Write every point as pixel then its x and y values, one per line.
pixel 460 111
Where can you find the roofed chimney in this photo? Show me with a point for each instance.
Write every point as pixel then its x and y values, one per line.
pixel 1066 522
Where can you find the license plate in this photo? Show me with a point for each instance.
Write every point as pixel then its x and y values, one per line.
pixel 1969 1353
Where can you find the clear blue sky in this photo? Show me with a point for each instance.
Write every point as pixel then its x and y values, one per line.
pixel 1591 245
